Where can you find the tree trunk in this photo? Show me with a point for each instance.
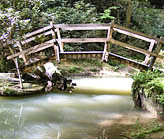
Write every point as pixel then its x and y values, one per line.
pixel 129 13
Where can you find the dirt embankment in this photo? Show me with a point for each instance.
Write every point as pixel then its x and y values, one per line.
pixel 94 68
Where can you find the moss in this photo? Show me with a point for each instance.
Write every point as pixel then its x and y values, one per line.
pixel 10 92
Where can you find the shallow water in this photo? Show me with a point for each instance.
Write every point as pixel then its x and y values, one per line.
pixel 61 116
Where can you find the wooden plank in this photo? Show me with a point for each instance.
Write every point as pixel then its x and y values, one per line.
pixel 84 40
pixel 134 35
pixel 20 49
pixel 138 33
pixel 17 67
pixel 58 54
pixel 33 38
pixel 40 47
pixel 71 27
pixel 159 45
pixel 37 32
pixel 56 49
pixel 107 44
pixel 134 48
pixel 128 61
pixel 82 52
pixel 153 59
pixel 150 49
pixel 59 40
pixel 33 49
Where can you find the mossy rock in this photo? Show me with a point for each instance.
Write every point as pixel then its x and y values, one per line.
pixel 15 90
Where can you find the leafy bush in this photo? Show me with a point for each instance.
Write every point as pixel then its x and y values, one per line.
pixel 152 84
pixel 106 16
pixel 5 65
pixel 146 76
pixel 147 19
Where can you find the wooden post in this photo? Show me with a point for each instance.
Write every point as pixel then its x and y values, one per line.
pixel 57 54
pixel 61 45
pixel 107 44
pixel 20 49
pixel 152 62
pixel 129 12
pixel 153 57
pixel 56 49
pixel 150 49
pixel 17 67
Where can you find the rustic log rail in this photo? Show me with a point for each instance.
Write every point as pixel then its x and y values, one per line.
pixel 57 42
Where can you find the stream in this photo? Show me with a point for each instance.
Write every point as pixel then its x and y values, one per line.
pixel 95 103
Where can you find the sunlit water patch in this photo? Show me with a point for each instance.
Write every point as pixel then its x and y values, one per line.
pixel 112 85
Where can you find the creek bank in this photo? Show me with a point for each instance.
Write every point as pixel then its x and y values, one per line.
pixel 43 79
pixel 148 92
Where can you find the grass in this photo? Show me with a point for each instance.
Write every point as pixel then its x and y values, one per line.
pixel 80 66
pixel 142 132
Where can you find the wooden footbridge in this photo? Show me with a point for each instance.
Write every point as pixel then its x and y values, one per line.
pixel 50 37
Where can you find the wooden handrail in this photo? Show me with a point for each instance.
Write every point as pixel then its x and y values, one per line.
pixel 33 49
pixel 84 40
pixel 71 27
pixel 131 47
pixel 138 33
pixel 37 31
pixel 54 30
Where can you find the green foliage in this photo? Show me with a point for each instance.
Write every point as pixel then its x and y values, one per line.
pixel 147 19
pixel 152 83
pixel 155 85
pixel 160 98
pixel 116 66
pixel 18 17
pixel 141 132
pixel 80 65
pixel 146 76
pixel 106 16
pixel 74 69
pixel 81 12
pixel 5 66
pixel 88 62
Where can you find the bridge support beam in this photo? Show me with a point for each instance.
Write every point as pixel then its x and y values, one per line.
pixel 19 75
pixel 107 44
pixel 56 48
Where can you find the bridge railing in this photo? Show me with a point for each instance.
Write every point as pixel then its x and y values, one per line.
pixel 57 42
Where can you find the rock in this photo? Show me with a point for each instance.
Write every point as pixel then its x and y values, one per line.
pixel 51 69
pixel 14 90
pixel 49 86
pixel 50 76
pixel 12 75
pixel 43 79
